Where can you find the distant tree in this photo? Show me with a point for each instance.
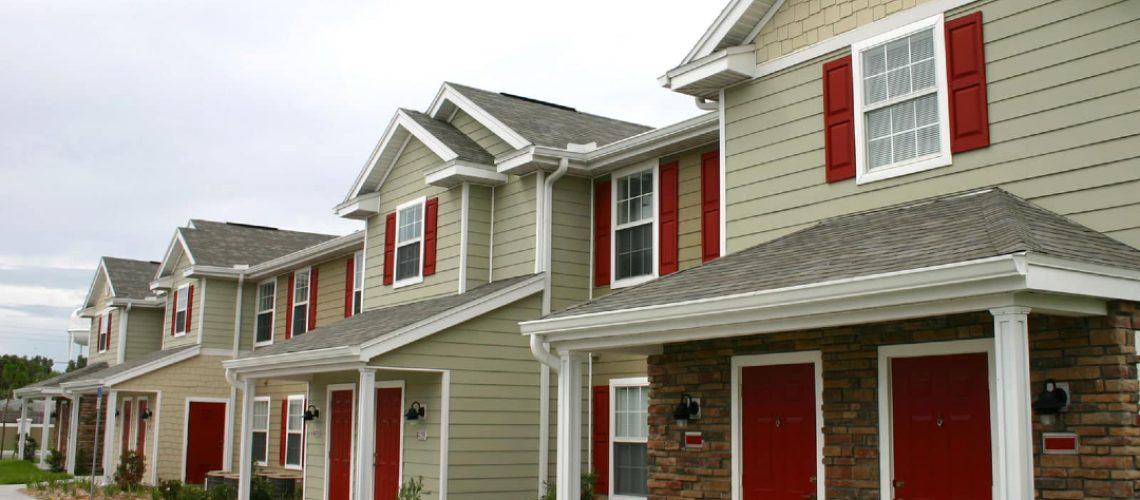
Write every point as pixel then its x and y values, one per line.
pixel 16 372
pixel 76 364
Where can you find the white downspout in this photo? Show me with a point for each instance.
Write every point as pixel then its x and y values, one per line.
pixel 232 407
pixel 705 104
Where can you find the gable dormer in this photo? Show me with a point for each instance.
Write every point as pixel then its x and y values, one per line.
pixel 123 311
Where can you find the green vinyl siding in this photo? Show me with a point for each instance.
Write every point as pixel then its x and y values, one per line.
pixel 514 219
pixel 144 332
pixel 169 341
pixel 219 314
pixel 480 134
pixel 570 243
pixel 479 235
pixel 1063 88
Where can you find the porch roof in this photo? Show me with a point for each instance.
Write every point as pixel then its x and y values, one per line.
pixel 933 232
pixel 133 368
pixel 48 385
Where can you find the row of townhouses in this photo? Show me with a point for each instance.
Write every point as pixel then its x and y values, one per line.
pixel 896 257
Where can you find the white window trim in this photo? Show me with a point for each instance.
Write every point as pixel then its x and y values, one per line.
pixel 300 433
pixel 104 329
pixel 886 433
pixel 268 418
pixel 920 164
pixel 183 291
pixel 419 277
pixel 614 385
pixel 787 358
pixel 358 286
pixel 308 299
pixel 654 166
pixel 258 312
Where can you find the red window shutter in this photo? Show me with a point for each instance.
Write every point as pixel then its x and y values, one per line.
pixel 173 313
pixel 839 120
pixel 107 342
pixel 667 261
pixel 126 444
pixel 966 75
pixel 601 438
pixel 602 247
pixel 710 206
pixel 389 247
pixel 189 307
pixel 349 274
pixel 431 220
pixel 140 444
pixel 289 308
pixel 313 274
pixel 284 429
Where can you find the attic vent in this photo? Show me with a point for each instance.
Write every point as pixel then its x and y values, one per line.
pixel 250 226
pixel 536 101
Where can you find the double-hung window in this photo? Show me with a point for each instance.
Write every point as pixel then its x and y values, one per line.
pixel 301 301
pixel 635 227
pixel 409 243
pixel 266 298
pixel 104 332
pixel 294 431
pixel 901 102
pixel 261 430
pixel 629 450
pixel 180 310
pixel 357 282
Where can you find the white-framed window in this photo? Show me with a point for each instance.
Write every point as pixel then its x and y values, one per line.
pixel 409 256
pixel 635 225
pixel 357 282
pixel 301 301
pixel 629 438
pixel 180 309
pixel 266 302
pixel 104 332
pixel 902 111
pixel 261 430
pixel 294 432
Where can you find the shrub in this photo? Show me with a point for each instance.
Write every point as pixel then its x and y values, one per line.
pixel 56 460
pixel 587 493
pixel 129 473
pixel 30 447
pixel 412 489
pixel 191 492
pixel 221 492
pixel 170 490
pixel 260 489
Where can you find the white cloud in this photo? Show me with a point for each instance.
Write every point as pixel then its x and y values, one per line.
pixel 24 296
pixel 15 262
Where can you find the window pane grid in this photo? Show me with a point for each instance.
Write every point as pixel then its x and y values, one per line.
pixel 633 233
pixel 301 287
pixel 900 67
pixel 631 433
pixel 265 297
pixel 900 94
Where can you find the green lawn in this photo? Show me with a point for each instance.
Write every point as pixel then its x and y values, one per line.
pixel 21 472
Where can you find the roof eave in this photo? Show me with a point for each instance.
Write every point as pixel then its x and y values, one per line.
pixel 310 255
pixel 705 77
pixel 457 172
pixel 359 208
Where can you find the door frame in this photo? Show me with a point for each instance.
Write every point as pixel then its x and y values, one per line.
pixel 226 436
pixel 815 358
pixel 886 409
pixel 328 436
pixel 392 384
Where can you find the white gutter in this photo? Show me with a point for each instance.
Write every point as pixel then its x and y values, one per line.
pixel 296 259
pixel 706 105
pixel 541 352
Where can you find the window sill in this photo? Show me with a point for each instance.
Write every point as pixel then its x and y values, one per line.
pixel 906 168
pixel 294 467
pixel 176 334
pixel 263 344
pixel 634 281
pixel 408 282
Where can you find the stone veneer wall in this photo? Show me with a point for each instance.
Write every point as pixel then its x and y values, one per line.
pixel 86 436
pixel 1095 355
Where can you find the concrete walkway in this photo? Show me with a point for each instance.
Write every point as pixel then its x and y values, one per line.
pixel 12 492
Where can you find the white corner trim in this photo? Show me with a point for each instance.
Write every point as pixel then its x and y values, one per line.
pixel 539 220
pixel 723 145
pixel 448 93
pixel 121 348
pixel 815 358
pixel 201 307
pixel 464 228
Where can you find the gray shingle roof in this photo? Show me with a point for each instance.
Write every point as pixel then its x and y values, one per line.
pixel 130 365
pixel 550 125
pixel 226 244
pixel 69 376
pixel 937 231
pixel 130 278
pixel 450 136
pixel 379 322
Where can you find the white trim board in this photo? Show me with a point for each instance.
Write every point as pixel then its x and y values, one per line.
pixel 814 358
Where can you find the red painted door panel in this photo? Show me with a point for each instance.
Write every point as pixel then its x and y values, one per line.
pixel 205 440
pixel 778 422
pixel 941 427
pixel 601 438
pixel 340 445
pixel 389 420
pixel 126 431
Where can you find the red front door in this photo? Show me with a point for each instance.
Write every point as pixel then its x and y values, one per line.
pixel 778 436
pixel 389 420
pixel 340 445
pixel 205 440
pixel 941 427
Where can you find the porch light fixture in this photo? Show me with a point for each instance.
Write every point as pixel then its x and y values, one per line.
pixel 145 414
pixel 415 413
pixel 688 409
pixel 1052 400
pixel 312 413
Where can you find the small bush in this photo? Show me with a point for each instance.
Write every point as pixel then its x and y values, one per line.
pixel 191 492
pixel 587 485
pixel 260 489
pixel 129 473
pixel 56 460
pixel 170 490
pixel 30 447
pixel 412 489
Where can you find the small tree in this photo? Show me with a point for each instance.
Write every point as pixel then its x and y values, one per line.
pixel 129 473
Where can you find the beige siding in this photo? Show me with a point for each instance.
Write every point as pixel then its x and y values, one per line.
pixel 570 242
pixel 799 23
pixel 330 290
pixel 144 332
pixel 249 315
pixel 99 303
pixel 514 220
pixel 277 391
pixel 191 337
pixel 1064 126
pixel 219 303
pixel 480 134
pixel 330 306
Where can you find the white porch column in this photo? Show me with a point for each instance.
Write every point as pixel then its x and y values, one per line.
pixel 1014 413
pixel 21 424
pixel 49 404
pixel 365 433
pixel 569 456
pixel 245 460
pixel 72 433
pixel 109 435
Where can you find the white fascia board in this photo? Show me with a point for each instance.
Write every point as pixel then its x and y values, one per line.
pixel 361 207
pixel 310 255
pixel 455 173
pixel 448 93
pixel 168 260
pixel 718 30
pixel 211 272
pixel 89 299
pixel 164 283
pixel 614 155
pixel 739 61
pixel 146 303
pixel 434 144
pixel 540 158
pixel 373 158
pixel 299 362
pixel 1054 275
pixel 450 318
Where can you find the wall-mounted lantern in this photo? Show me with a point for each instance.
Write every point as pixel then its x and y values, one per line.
pixel 312 413
pixel 686 410
pixel 416 413
pixel 1052 400
pixel 145 414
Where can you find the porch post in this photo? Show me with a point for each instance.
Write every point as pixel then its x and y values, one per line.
pixel 20 426
pixel 109 435
pixel 245 460
pixel 365 433
pixel 1014 413
pixel 73 432
pixel 569 456
pixel 45 421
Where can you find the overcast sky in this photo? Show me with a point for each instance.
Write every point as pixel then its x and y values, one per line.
pixel 121 120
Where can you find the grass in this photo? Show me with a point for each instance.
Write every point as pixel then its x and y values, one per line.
pixel 21 472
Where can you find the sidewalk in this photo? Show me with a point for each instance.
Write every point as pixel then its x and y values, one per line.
pixel 12 492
